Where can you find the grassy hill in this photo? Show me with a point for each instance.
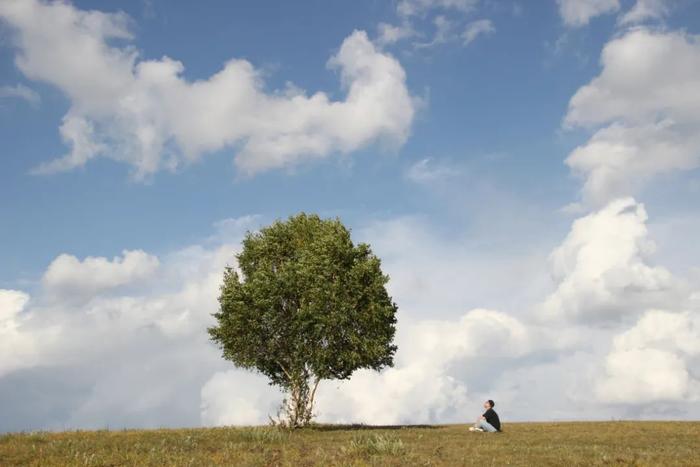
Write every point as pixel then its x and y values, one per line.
pixel 585 443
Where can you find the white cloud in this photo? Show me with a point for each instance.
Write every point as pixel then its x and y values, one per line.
pixel 389 34
pixel 448 359
pixel 577 13
pixel 110 358
pixel 602 268
pixel 16 347
pixel 663 330
pixel 605 280
pixel 654 361
pixel 443 33
pixel 446 18
pixel 67 275
pixel 20 91
pixel 477 28
pixel 423 387
pixel 426 386
pixel 620 160
pixel 666 66
pixel 442 274
pixel 443 30
pixel 144 113
pixel 427 171
pixel 119 347
pixel 645 100
pixel 11 303
pixel 238 397
pixel 419 7
pixel 644 10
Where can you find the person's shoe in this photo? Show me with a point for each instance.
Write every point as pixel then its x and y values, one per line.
pixel 473 428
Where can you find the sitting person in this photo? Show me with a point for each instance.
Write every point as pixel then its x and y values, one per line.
pixel 489 421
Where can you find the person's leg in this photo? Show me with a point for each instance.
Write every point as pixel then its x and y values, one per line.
pixel 475 426
pixel 486 426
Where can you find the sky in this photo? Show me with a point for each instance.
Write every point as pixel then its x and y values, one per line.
pixel 526 171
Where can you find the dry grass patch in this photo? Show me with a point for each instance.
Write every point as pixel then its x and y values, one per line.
pixel 571 444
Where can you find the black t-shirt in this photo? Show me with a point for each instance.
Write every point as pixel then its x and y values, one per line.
pixel 492 417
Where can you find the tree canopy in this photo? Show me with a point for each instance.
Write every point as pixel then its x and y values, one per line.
pixel 306 304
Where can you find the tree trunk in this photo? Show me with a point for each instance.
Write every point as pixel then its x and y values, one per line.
pixel 300 402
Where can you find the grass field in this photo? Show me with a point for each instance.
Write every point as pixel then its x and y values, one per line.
pixel 585 443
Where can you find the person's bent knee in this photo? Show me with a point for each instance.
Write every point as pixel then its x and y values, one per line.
pixel 486 426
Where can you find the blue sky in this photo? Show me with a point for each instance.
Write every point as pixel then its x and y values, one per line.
pixel 517 175
pixel 501 97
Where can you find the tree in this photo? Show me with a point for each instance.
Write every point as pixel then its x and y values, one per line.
pixel 308 305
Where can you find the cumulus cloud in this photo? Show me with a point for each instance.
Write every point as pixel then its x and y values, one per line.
pixel 110 359
pixel 20 91
pixel 606 281
pixel 68 275
pixel 644 106
pixel 642 109
pixel 602 268
pixel 449 358
pixel 425 386
pixel 238 397
pixel 16 347
pixel 657 360
pixel 11 303
pixel 144 113
pixel 666 67
pixel 477 28
pixel 579 12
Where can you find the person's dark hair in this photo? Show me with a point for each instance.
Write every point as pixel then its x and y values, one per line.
pixel 491 403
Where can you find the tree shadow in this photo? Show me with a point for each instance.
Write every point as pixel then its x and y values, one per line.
pixel 359 427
